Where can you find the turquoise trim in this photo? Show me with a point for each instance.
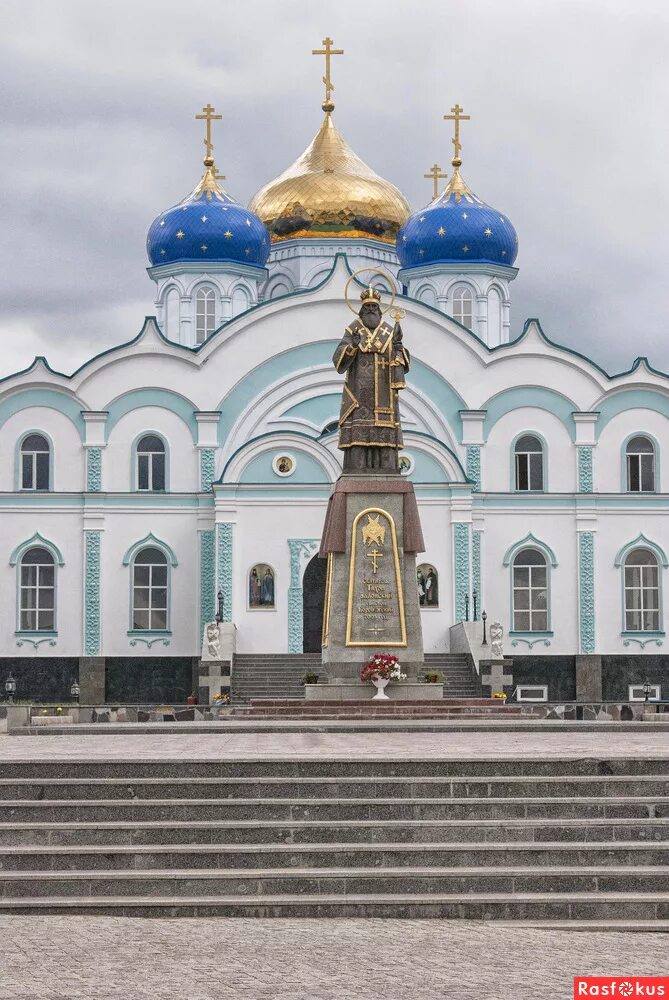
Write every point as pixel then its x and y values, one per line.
pixel 207 579
pixel 297 546
pixel 544 462
pixel 224 567
pixel 641 542
pixel 624 484
pixel 476 569
pixel 149 639
pixel 164 399
pixel 628 399
pixel 94 470
pixel 585 469
pixel 133 463
pixel 650 638
pixel 28 637
pixel 39 540
pixel 18 476
pixel 52 399
pixel 150 540
pixel 92 588
pixel 528 396
pixel 318 411
pixel 461 567
pixel 530 639
pixel 307 470
pixel 586 591
pixel 529 541
pixel 207 468
pixel 474 465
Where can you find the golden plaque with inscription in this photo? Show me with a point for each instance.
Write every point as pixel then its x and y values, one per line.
pixel 375 614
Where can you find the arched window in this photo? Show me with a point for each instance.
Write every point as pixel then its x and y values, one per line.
pixel 279 289
pixel 529 463
pixel 463 306
pixel 640 455
pixel 530 591
pixel 240 300
pixel 150 470
pixel 35 462
pixel 171 323
pixel 494 317
pixel 642 592
pixel 37 591
pixel 149 590
pixel 205 313
pixel 427 295
pixel 261 588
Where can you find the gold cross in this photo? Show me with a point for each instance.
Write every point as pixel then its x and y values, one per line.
pixel 383 364
pixel 457 117
pixel 374 555
pixel 435 173
pixel 327 51
pixel 208 116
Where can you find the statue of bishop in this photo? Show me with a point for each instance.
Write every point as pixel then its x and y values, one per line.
pixel 375 361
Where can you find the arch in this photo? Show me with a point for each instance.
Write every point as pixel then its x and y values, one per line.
pixel 165 399
pixel 52 399
pixel 172 313
pixel 641 542
pixel 261 587
pixel 278 287
pixel 630 399
pixel 529 463
pixel 529 396
pixel 427 294
pixel 147 471
pixel 40 541
pixel 37 471
pixel 150 541
pixel 636 470
pixel 204 311
pixel 240 300
pixel 530 541
pixel 268 443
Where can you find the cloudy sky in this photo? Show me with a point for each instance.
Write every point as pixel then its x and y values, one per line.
pixel 568 137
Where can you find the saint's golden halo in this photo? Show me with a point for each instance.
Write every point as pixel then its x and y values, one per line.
pixel 373 270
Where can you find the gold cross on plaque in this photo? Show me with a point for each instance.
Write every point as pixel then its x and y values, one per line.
pixel 208 116
pixel 435 173
pixel 457 117
pixel 375 629
pixel 375 555
pixel 327 51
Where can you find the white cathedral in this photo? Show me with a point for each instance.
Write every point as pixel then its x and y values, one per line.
pixel 199 456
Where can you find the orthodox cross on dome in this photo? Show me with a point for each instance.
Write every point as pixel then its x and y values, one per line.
pixel 435 173
pixel 457 117
pixel 327 51
pixel 208 116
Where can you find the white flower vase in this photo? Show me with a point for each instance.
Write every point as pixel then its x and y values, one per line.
pixel 380 683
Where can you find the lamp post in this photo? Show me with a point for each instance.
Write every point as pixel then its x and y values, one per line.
pixel 466 607
pixel 10 688
pixel 219 608
pixel 484 618
pixel 647 688
pixel 75 691
pixel 475 598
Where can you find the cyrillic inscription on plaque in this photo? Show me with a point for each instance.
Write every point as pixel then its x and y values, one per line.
pixel 375 599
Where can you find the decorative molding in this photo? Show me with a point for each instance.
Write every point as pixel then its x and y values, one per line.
pixel 476 568
pixel 586 591
pixel 22 638
pixel 585 474
pixel 207 468
pixel 531 642
pixel 94 470
pixel 474 464
pixel 92 630
pixel 643 642
pixel 207 578
pixel 299 548
pixel 224 566
pixel 149 539
pixel 644 543
pixel 529 541
pixel 461 568
pixel 149 642
pixel 34 540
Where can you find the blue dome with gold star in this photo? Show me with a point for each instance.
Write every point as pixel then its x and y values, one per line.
pixel 457 227
pixel 208 225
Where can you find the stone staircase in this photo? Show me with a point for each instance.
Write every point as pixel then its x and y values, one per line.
pixel 579 840
pixel 278 675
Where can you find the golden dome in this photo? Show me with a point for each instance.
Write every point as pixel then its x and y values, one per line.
pixel 330 192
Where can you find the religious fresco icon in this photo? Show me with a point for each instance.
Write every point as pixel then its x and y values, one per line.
pixel 284 465
pixel 261 588
pixel 427 579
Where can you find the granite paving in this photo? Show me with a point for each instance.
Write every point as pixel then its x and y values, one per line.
pixel 102 958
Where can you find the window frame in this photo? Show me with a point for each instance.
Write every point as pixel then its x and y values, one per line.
pixel 462 287
pixel 657 628
pixel 21 629
pixel 627 464
pixel 210 292
pixel 20 488
pixel 136 452
pixel 530 611
pixel 135 629
pixel 516 454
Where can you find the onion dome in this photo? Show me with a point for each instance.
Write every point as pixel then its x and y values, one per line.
pixel 208 225
pixel 330 192
pixel 457 227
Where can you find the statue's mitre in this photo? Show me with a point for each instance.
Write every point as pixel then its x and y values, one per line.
pixel 370 294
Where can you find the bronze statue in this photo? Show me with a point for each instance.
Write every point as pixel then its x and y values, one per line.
pixel 376 362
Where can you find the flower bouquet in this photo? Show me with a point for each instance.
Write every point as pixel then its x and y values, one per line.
pixel 380 670
pixel 499 695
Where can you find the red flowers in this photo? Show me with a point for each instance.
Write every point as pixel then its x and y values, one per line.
pixel 381 665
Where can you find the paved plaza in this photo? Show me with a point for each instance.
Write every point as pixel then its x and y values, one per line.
pixel 101 958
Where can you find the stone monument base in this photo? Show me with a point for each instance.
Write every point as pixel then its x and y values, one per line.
pixel 345 691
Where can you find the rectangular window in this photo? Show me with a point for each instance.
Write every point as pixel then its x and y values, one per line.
pixel 642 599
pixel 529 471
pixel 641 473
pixel 27 472
pixel 157 472
pixel 522 472
pixel 42 462
pixel 143 472
pixel 37 597
pixel 530 599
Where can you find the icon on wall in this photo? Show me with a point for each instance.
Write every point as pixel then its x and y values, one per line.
pixel 261 588
pixel 406 463
pixel 284 465
pixel 427 579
